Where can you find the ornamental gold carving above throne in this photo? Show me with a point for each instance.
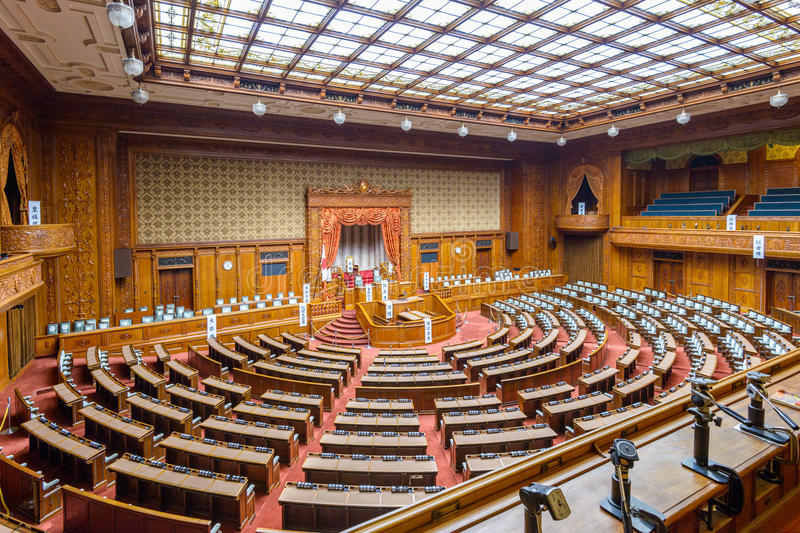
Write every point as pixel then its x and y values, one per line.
pixel 362 187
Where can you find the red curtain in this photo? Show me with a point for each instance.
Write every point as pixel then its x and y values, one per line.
pixel 388 218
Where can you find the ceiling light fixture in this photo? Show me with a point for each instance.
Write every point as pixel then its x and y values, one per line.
pixel 121 15
pixel 339 117
pixel 139 95
pixel 683 117
pixel 133 66
pixel 405 124
pixel 561 141
pixel 778 100
pixel 613 131
pixel 463 130
pixel 259 108
pixel 511 136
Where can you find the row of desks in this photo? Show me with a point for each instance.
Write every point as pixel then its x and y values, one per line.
pixel 387 470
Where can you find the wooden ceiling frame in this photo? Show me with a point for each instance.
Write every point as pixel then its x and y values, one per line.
pixel 474 6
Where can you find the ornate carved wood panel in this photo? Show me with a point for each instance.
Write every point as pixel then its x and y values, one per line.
pixel 76 201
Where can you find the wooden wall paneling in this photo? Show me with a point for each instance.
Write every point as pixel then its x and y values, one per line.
pixel 106 146
pixel 124 295
pixel 743 281
pixel 143 279
pixel 4 377
pixel 246 267
pixel 780 173
pixel 76 201
pixel 228 279
pixel 300 274
pixel 733 176
pixel 530 213
pixel 583 257
pixel 613 205
pixel 641 265
pixel 205 272
pixel 756 177
pixel 699 272
pixel 415 270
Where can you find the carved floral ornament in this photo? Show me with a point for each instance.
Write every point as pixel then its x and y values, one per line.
pixel 362 187
pixel 596 180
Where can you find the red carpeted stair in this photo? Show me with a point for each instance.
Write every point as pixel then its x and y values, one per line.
pixel 344 331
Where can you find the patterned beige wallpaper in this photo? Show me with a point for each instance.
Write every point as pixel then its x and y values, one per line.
pixel 195 199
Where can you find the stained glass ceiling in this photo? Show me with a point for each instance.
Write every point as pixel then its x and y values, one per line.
pixel 552 59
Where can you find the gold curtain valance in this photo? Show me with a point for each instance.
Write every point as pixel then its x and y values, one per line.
pixel 713 146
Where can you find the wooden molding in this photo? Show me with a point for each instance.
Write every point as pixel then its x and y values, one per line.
pixel 784 245
pixel 46 240
pixel 581 223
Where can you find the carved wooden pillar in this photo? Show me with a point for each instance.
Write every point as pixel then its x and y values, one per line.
pixel 123 229
pixel 106 146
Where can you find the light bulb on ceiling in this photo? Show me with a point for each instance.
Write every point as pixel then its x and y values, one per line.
pixel 140 96
pixel 779 99
pixel 259 108
pixel 405 124
pixel 613 131
pixel 121 15
pixel 339 117
pixel 463 130
pixel 561 141
pixel 133 66
pixel 683 117
pixel 511 136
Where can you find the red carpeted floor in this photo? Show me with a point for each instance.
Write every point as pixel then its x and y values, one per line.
pixel 40 375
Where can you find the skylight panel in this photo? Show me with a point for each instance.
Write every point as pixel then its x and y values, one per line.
pixel 465 89
pixel 328 45
pixel 752 21
pixel 551 88
pixel 263 54
pixel 786 9
pixel 556 69
pixel 320 64
pixel 379 54
pixel 475 101
pixel 547 102
pixel 564 45
pixel 446 97
pixel 694 18
pixel 262 69
pixel 524 82
pixel 355 24
pixel 778 49
pixel 573 12
pixel 499 105
pixel 526 35
pixel 523 98
pixel 414 92
pixel 298 11
pixel 171 14
pixel 170 38
pixel 449 45
pixel 652 70
pixel 489 54
pixel 437 12
pixel 434 84
pixel 679 75
pixel 586 75
pixel 384 6
pixel 749 41
pixel 637 88
pixel 346 83
pixel 305 75
pixel 722 30
pixel 485 24
pixel 644 37
pixel 661 7
pixel 242 6
pixel 492 77
pixel 627 61
pixel 496 94
pixel 702 55
pixel 405 35
pixel 599 97
pixel 399 78
pixel 577 93
pixel 614 81
pixel 596 54
pixel 170 54
pixel 526 7
pixel 726 64
pixel 524 63
pixel 422 63
pixel 383 88
pixel 217 46
pixel 273 34
pixel 613 24
pixel 677 46
pixel 458 70
pixel 364 72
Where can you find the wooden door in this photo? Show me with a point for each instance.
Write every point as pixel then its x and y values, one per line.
pixel 483 262
pixel 783 290
pixel 583 257
pixel 668 276
pixel 177 287
pixel 706 179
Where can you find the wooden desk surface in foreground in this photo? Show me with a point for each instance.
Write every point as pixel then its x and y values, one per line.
pixel 663 437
